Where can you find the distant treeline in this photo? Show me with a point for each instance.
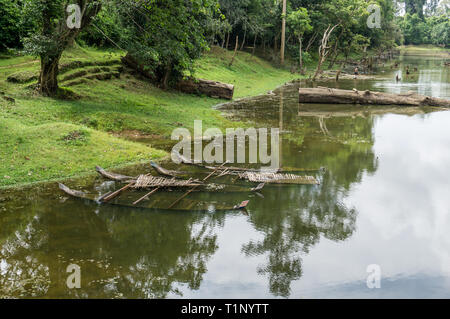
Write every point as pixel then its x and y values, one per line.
pixel 167 36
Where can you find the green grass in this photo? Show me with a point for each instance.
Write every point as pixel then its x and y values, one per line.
pixel 250 75
pixel 32 130
pixel 429 50
pixel 50 151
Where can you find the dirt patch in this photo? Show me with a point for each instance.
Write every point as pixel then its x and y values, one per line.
pixel 136 135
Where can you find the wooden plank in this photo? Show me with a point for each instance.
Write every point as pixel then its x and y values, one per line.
pixel 146 196
pixel 194 188
pixel 117 193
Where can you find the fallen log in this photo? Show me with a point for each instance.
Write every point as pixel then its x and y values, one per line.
pixel 209 88
pixel 336 96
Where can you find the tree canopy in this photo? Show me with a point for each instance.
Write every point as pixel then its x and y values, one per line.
pixel 167 36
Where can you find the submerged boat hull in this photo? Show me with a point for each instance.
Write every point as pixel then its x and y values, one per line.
pixel 190 206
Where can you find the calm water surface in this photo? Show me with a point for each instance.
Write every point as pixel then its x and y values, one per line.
pixel 383 199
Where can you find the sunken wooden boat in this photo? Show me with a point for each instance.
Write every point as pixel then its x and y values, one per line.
pixel 255 175
pixel 165 172
pixel 188 205
pixel 323 95
pixel 180 182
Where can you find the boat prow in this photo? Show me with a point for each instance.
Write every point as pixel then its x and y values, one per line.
pixel 113 176
pixel 71 192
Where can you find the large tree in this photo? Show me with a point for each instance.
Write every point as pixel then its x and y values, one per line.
pixel 57 30
pixel 166 36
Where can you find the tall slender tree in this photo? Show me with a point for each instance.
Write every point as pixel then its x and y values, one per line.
pixel 283 32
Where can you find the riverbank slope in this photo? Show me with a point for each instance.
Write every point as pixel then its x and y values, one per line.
pixel 45 139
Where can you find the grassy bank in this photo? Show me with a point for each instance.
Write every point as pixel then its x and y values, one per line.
pixel 45 139
pixel 426 50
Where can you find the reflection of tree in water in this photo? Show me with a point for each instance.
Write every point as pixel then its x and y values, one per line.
pixel 135 254
pixel 21 273
pixel 299 216
pixel 295 225
pixel 121 253
pixel 169 249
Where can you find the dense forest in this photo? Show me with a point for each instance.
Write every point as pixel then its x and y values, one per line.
pixel 167 36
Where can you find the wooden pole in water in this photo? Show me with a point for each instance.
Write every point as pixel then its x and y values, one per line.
pixel 117 193
pixel 195 187
pixel 146 196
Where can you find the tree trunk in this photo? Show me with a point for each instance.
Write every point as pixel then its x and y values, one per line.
pixel 283 32
pixel 235 50
pixel 300 40
pixel 323 95
pixel 324 50
pixel 333 61
pixel 223 42
pixel 254 45
pixel 338 73
pixel 166 78
pixel 48 78
pixel 275 45
pixel 228 41
pixel 311 41
pixel 243 41
pixel 335 51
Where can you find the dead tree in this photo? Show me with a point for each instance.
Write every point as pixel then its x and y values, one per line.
pixel 324 50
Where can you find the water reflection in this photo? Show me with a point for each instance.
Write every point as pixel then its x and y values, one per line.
pixel 382 199
pixel 121 253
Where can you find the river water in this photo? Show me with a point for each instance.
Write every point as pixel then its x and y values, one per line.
pixel 383 200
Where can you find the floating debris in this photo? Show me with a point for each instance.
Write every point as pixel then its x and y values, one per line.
pixel 273 178
pixel 149 181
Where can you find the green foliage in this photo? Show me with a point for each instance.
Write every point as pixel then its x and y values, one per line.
pixel 166 35
pixel 106 30
pixel 429 30
pixel 439 30
pixel 50 17
pixel 414 29
pixel 300 22
pixel 9 24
